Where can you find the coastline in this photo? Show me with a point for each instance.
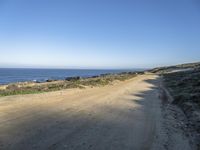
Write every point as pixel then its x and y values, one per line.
pixel 31 87
pixel 13 75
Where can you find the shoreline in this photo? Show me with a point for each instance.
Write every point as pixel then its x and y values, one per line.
pixel 31 87
pixel 9 75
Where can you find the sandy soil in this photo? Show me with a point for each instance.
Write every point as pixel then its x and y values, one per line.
pixel 125 116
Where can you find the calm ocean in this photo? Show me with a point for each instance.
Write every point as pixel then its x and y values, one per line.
pixel 41 75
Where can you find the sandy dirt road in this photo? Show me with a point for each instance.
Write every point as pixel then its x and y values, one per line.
pixel 123 116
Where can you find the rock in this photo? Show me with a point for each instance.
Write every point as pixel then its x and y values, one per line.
pixel 72 78
pixel 94 76
pixel 106 74
pixel 49 80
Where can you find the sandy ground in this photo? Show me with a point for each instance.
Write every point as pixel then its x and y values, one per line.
pixel 124 116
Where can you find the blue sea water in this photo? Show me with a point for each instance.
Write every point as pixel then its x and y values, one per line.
pixel 8 75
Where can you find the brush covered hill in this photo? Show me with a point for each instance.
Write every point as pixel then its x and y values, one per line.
pixel 183 83
pixel 176 68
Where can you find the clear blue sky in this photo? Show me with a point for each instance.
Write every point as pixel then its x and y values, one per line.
pixel 98 33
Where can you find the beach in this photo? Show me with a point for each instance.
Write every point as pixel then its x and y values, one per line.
pixel 122 115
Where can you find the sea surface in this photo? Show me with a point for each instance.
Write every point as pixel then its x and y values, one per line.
pixel 8 75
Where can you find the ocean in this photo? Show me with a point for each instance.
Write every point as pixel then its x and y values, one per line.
pixel 8 75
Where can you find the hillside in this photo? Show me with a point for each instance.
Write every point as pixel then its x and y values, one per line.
pixel 176 68
pixel 183 83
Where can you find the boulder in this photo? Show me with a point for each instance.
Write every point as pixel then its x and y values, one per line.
pixel 72 78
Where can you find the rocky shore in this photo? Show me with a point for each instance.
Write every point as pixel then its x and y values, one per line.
pixel 68 82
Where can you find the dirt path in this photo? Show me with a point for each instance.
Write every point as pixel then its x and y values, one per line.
pixel 122 116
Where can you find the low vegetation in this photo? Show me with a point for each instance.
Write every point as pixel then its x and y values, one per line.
pixel 71 82
pixel 163 70
pixel 184 86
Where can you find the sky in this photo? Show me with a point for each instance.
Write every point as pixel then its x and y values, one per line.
pixel 98 33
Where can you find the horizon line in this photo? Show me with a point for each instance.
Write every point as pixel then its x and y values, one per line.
pixel 74 68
